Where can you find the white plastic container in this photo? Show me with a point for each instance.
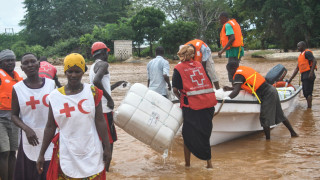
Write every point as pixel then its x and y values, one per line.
pixel 149 117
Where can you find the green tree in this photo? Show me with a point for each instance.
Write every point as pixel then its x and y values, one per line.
pixel 282 22
pixel 147 24
pixel 177 33
pixel 48 21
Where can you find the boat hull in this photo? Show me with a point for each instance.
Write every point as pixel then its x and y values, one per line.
pixel 240 118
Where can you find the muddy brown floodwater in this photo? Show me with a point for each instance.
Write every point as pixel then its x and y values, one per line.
pixel 249 157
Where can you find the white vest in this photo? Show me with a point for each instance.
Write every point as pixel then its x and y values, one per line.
pixel 105 83
pixel 34 108
pixel 81 153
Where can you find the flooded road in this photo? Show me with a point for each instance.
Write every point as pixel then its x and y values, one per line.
pixel 250 157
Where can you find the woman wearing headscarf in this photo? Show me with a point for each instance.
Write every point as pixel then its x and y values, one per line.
pixel 76 110
pixel 197 99
pixel 30 113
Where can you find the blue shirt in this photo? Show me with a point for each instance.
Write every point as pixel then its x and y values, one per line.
pixel 156 68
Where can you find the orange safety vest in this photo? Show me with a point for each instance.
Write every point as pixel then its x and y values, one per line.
pixel 303 63
pixel 197 43
pixel 47 70
pixel 253 79
pixel 6 85
pixel 197 87
pixel 238 42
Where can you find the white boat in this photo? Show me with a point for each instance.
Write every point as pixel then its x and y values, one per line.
pixel 238 118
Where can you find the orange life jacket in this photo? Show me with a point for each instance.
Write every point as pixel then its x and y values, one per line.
pixel 253 79
pixel 197 87
pixel 238 42
pixel 197 43
pixel 6 85
pixel 303 63
pixel 47 70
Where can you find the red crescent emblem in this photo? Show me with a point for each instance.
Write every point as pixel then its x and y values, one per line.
pixel 80 107
pixel 44 100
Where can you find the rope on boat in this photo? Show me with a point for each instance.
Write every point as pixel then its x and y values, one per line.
pixel 219 108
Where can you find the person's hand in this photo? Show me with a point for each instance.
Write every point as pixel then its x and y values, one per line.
pixel 110 104
pixel 227 88
pixel 311 75
pixel 124 84
pixel 32 137
pixel 169 88
pixel 107 158
pixel 220 53
pixel 40 162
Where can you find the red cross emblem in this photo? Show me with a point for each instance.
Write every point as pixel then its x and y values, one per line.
pixel 67 109
pixel 32 102
pixel 198 78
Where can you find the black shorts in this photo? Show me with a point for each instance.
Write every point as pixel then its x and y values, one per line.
pixel 307 87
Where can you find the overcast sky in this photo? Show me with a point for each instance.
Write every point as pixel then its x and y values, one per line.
pixel 11 13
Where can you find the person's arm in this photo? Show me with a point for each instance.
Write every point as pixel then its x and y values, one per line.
pixel 235 91
pixel 103 68
pixel 118 83
pixel 31 135
pixel 55 78
pixel 314 63
pixel 49 132
pixel 176 92
pixel 216 84
pixel 294 74
pixel 231 39
pixel 166 69
pixel 101 126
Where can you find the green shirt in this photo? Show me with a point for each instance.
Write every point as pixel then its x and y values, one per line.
pixel 233 51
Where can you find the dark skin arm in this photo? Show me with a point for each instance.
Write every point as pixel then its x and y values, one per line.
pixel 295 72
pixel 167 79
pixel 231 39
pixel 49 132
pixel 101 126
pixel 176 92
pixel 235 90
pixel 314 63
pixel 31 135
pixel 115 85
pixel 57 81
pixel 101 69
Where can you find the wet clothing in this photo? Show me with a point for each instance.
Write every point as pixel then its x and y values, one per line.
pixel 271 112
pixel 156 68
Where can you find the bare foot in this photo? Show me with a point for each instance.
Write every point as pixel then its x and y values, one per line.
pixel 294 135
pixel 209 164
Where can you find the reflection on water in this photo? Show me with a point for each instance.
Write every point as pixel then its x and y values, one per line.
pixel 250 157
